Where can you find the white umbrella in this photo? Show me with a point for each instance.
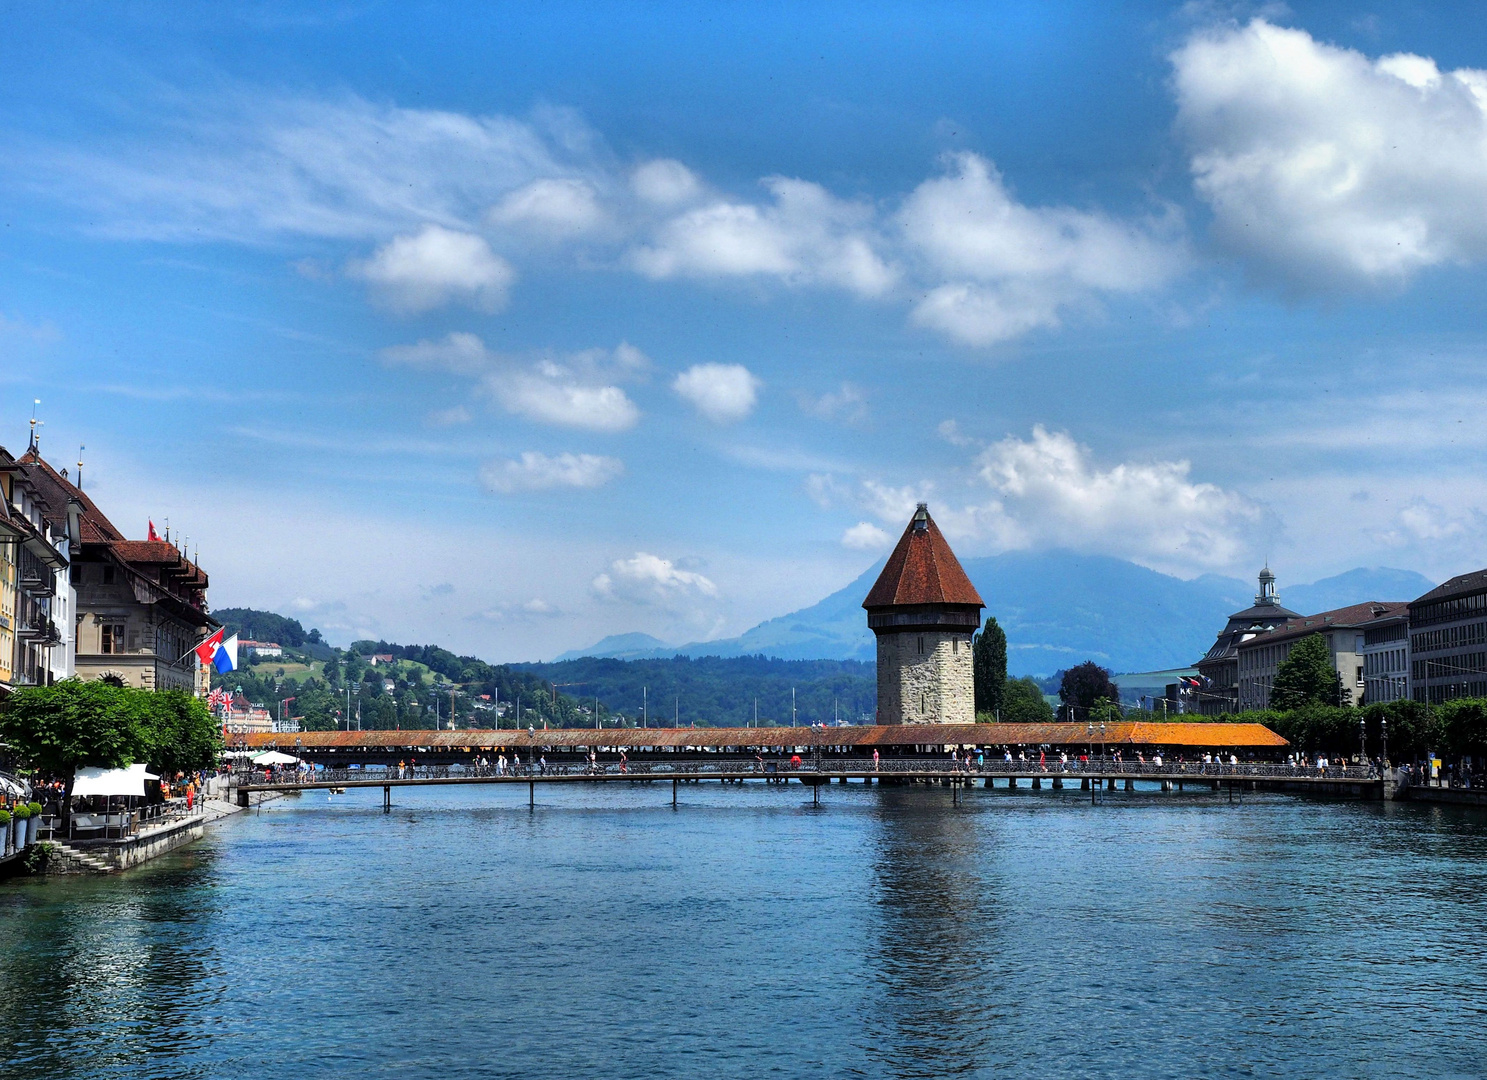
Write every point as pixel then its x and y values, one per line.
pixel 273 757
pixel 130 781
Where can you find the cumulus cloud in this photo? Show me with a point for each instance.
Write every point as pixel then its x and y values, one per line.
pixel 865 536
pixel 1006 268
pixel 650 578
pixel 577 390
pixel 558 208
pixel 665 183
pixel 1052 494
pixel 435 266
pixel 1326 168
pixel 538 472
pixel 805 236
pixel 724 393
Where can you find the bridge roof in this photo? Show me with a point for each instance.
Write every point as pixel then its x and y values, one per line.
pixel 1122 733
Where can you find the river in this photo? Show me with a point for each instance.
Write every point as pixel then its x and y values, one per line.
pixel 888 933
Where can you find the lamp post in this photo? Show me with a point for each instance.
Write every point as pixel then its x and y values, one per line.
pixel 1384 739
pixel 1362 740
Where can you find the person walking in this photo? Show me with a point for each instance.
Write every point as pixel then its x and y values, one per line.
pixel 875 759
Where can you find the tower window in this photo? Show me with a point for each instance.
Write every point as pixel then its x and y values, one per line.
pixel 924 704
pixel 921 644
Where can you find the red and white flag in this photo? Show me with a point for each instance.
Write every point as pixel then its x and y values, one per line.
pixel 208 648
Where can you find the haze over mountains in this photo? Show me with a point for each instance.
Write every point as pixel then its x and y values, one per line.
pixel 1058 608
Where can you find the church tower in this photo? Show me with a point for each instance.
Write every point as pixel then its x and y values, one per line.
pixel 923 610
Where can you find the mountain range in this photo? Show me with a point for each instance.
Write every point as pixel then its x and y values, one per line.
pixel 1058 609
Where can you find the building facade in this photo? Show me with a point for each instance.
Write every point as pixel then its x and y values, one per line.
pixel 140 605
pixel 1448 640
pixel 1259 656
pixel 36 632
pixel 923 610
pixel 1386 659
pixel 1219 668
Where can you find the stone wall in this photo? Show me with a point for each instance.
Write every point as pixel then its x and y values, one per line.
pixel 924 677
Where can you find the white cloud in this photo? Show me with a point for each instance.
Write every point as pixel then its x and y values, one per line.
pixel 577 390
pixel 538 472
pixel 806 236
pixel 894 504
pixel 650 578
pixel 558 208
pixel 724 393
pixel 450 417
pixel 949 430
pixel 1326 168
pixel 1051 494
pixel 665 183
pixel 435 266
pixel 825 490
pixel 847 404
pixel 865 536
pixel 1005 268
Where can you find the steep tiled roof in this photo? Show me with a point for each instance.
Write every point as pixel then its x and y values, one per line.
pixel 922 570
pixel 95 526
pixel 1460 585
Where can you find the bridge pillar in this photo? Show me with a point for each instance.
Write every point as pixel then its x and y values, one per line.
pixel 1110 784
pixel 986 783
pixel 1037 783
pixel 1130 785
pixel 673 793
pixel 1214 784
pixel 531 794
pixel 1166 785
pixel 1058 783
pixel 242 798
pixel 1084 784
pixel 1011 783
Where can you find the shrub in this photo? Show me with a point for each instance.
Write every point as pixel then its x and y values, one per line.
pixel 4 817
pixel 35 809
pixel 21 812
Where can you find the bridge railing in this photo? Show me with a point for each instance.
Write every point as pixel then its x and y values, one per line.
pixel 773 768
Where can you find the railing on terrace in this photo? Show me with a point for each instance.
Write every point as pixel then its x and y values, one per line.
pixel 772 768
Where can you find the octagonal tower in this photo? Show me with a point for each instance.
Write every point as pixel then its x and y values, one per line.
pixel 924 610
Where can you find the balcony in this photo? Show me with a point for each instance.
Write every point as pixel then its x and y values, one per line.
pixel 38 584
pixel 39 630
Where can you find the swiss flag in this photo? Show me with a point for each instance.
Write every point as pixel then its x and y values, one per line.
pixel 208 648
pixel 153 534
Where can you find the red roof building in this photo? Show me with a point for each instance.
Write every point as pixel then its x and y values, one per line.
pixel 923 611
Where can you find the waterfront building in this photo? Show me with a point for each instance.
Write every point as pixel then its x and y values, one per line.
pixel 267 650
pixel 1448 640
pixel 1219 668
pixel 1259 656
pixel 141 605
pixel 35 595
pixel 1386 659
pixel 923 611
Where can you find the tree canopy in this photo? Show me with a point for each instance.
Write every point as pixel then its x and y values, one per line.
pixel 61 728
pixel 1085 685
pixel 989 666
pixel 1023 702
pixel 1308 676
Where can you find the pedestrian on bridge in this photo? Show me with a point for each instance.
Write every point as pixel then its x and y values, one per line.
pixel 875 760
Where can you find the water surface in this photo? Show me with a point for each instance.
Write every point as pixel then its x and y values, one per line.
pixel 888 933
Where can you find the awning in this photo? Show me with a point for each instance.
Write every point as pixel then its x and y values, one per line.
pixel 15 788
pixel 127 781
pixel 273 757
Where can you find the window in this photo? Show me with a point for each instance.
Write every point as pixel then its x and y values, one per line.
pixel 112 638
pixel 108 575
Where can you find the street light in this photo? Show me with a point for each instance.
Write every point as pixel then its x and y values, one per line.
pixel 1384 738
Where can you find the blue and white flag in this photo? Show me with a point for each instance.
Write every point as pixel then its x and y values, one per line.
pixel 225 659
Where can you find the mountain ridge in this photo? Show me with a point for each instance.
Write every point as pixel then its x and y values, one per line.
pixel 1057 607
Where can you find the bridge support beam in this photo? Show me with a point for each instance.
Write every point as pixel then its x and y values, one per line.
pixel 1084 784
pixel 1130 785
pixel 1058 783
pixel 673 794
pixel 531 794
pixel 1166 785
pixel 242 798
pixel 1011 783
pixel 986 783
pixel 386 798
pixel 1110 784
pixel 1037 783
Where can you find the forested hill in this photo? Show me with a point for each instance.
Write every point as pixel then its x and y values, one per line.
pixel 717 691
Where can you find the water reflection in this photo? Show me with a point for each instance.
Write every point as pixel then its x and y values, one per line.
pixel 935 955
pixel 100 974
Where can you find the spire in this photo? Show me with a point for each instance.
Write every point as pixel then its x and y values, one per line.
pixel 35 444
pixel 922 570
pixel 1267 596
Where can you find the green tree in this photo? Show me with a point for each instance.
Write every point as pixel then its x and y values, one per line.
pixel 1085 685
pixel 989 666
pixel 1308 676
pixel 62 728
pixel 1023 702
pixel 180 734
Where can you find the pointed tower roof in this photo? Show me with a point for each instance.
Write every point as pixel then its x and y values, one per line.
pixel 922 570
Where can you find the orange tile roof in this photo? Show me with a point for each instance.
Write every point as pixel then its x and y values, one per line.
pixel 922 570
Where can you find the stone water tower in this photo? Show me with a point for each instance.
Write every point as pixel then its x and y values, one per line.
pixel 923 610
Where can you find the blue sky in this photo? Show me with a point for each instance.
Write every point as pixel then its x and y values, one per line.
pixel 511 328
